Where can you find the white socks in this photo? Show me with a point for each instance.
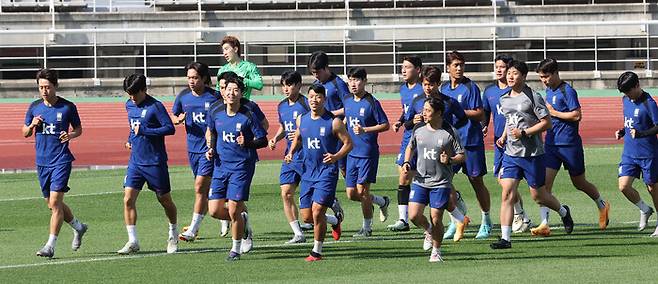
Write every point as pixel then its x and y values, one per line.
pixel 563 211
pixel 75 224
pixel 296 229
pixel 518 209
pixel 485 218
pixel 367 224
pixel 196 222
pixel 132 233
pixel 600 203
pixel 402 212
pixel 378 200
pixel 236 246
pixel 331 219
pixel 52 241
pixel 317 247
pixel 543 214
pixel 506 232
pixel 643 206
pixel 457 216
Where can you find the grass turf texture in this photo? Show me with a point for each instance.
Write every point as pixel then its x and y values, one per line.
pixel 588 255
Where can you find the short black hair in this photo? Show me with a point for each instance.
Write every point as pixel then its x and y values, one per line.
pixel 454 55
pixel 291 77
pixel 414 60
pixel 627 81
pixel 357 73
pixel 548 65
pixel 318 60
pixel 236 80
pixel 518 65
pixel 201 69
pixel 437 104
pixel 134 83
pixel 226 75
pixel 431 74
pixel 48 74
pixel 504 58
pixel 318 89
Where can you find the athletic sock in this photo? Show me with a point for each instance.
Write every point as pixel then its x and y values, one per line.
pixel 563 211
pixel 380 201
pixel 75 224
pixel 518 209
pixel 296 229
pixel 236 246
pixel 132 233
pixel 402 212
pixel 403 202
pixel 367 224
pixel 643 206
pixel 173 230
pixel 486 219
pixel 196 221
pixel 600 203
pixel 457 216
pixel 331 219
pixel 543 214
pixel 52 241
pixel 317 247
pixel 506 232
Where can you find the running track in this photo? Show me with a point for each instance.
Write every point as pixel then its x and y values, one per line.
pixel 105 129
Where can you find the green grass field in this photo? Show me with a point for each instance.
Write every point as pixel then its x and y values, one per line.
pixel 589 255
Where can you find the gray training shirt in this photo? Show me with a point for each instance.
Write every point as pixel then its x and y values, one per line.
pixel 428 144
pixel 521 112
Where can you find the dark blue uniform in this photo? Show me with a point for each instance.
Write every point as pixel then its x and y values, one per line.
pixel 291 173
pixel 407 97
pixel 491 105
pixel 640 154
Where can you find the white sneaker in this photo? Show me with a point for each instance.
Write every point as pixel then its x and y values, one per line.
pixel 77 237
pixel 172 245
pixel 383 210
pixel 644 218
pixel 224 228
pixel 129 248
pixel 187 236
pixel 427 242
pixel 46 251
pixel 655 233
pixel 517 222
pixel 297 239
pixel 525 226
pixel 247 240
pixel 436 257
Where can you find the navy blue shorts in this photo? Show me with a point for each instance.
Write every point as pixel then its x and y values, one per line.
pixel 200 165
pixel 321 192
pixel 437 198
pixel 498 159
pixel 633 167
pixel 361 171
pixel 533 169
pixel 475 164
pixel 571 156
pixel 232 184
pixel 156 176
pixel 54 178
pixel 291 173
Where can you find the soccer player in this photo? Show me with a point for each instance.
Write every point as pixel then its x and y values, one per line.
pixel 54 122
pixel 289 109
pixel 336 88
pixel 436 146
pixel 365 119
pixel 640 155
pixel 247 70
pixel 467 93
pixel 409 90
pixel 318 133
pixel 149 124
pixel 526 117
pixel 241 134
pixel 190 107
pixel 491 105
pixel 563 143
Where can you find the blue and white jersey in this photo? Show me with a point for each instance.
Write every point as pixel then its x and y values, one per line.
pixel 228 128
pixel 317 136
pixel 336 90
pixel 453 113
pixel 56 118
pixel 148 146
pixel 491 104
pixel 468 95
pixel 195 109
pixel 288 114
pixel 563 99
pixel 366 112
pixel 640 114
pixel 407 97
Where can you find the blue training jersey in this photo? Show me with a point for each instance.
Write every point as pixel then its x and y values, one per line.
pixel 228 128
pixel 407 97
pixel 453 113
pixel 640 114
pixel 468 95
pixel 148 146
pixel 366 112
pixel 56 118
pixel 563 99
pixel 491 104
pixel 336 90
pixel 195 109
pixel 317 136
pixel 288 114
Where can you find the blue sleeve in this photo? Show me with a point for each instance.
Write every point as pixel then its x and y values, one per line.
pixel 457 112
pixel 210 120
pixel 178 106
pixel 257 112
pixel 485 102
pixel 380 115
pixel 572 99
pixel 344 91
pixel 653 111
pixel 475 101
pixel 29 116
pixel 75 117
pixel 166 126
pixel 257 128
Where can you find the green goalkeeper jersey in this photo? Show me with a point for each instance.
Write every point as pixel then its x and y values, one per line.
pixel 248 71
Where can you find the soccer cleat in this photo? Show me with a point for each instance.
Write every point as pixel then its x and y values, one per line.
pixel 542 230
pixel 525 226
pixel 567 221
pixel 313 257
pixel 172 245
pixel 461 204
pixel 501 244
pixel 484 232
pixel 336 230
pixel 460 229
pixel 450 232
pixel 224 230
pixel 399 226
pixel 77 237
pixel 436 257
pixel 383 210
pixel 655 233
pixel 603 216
pixel 362 233
pixel 338 210
pixel 233 256
pixel 297 239
pixel 46 251
pixel 129 248
pixel 306 227
pixel 186 236
pixel 247 239
pixel 644 218
pixel 517 222
pixel 427 241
